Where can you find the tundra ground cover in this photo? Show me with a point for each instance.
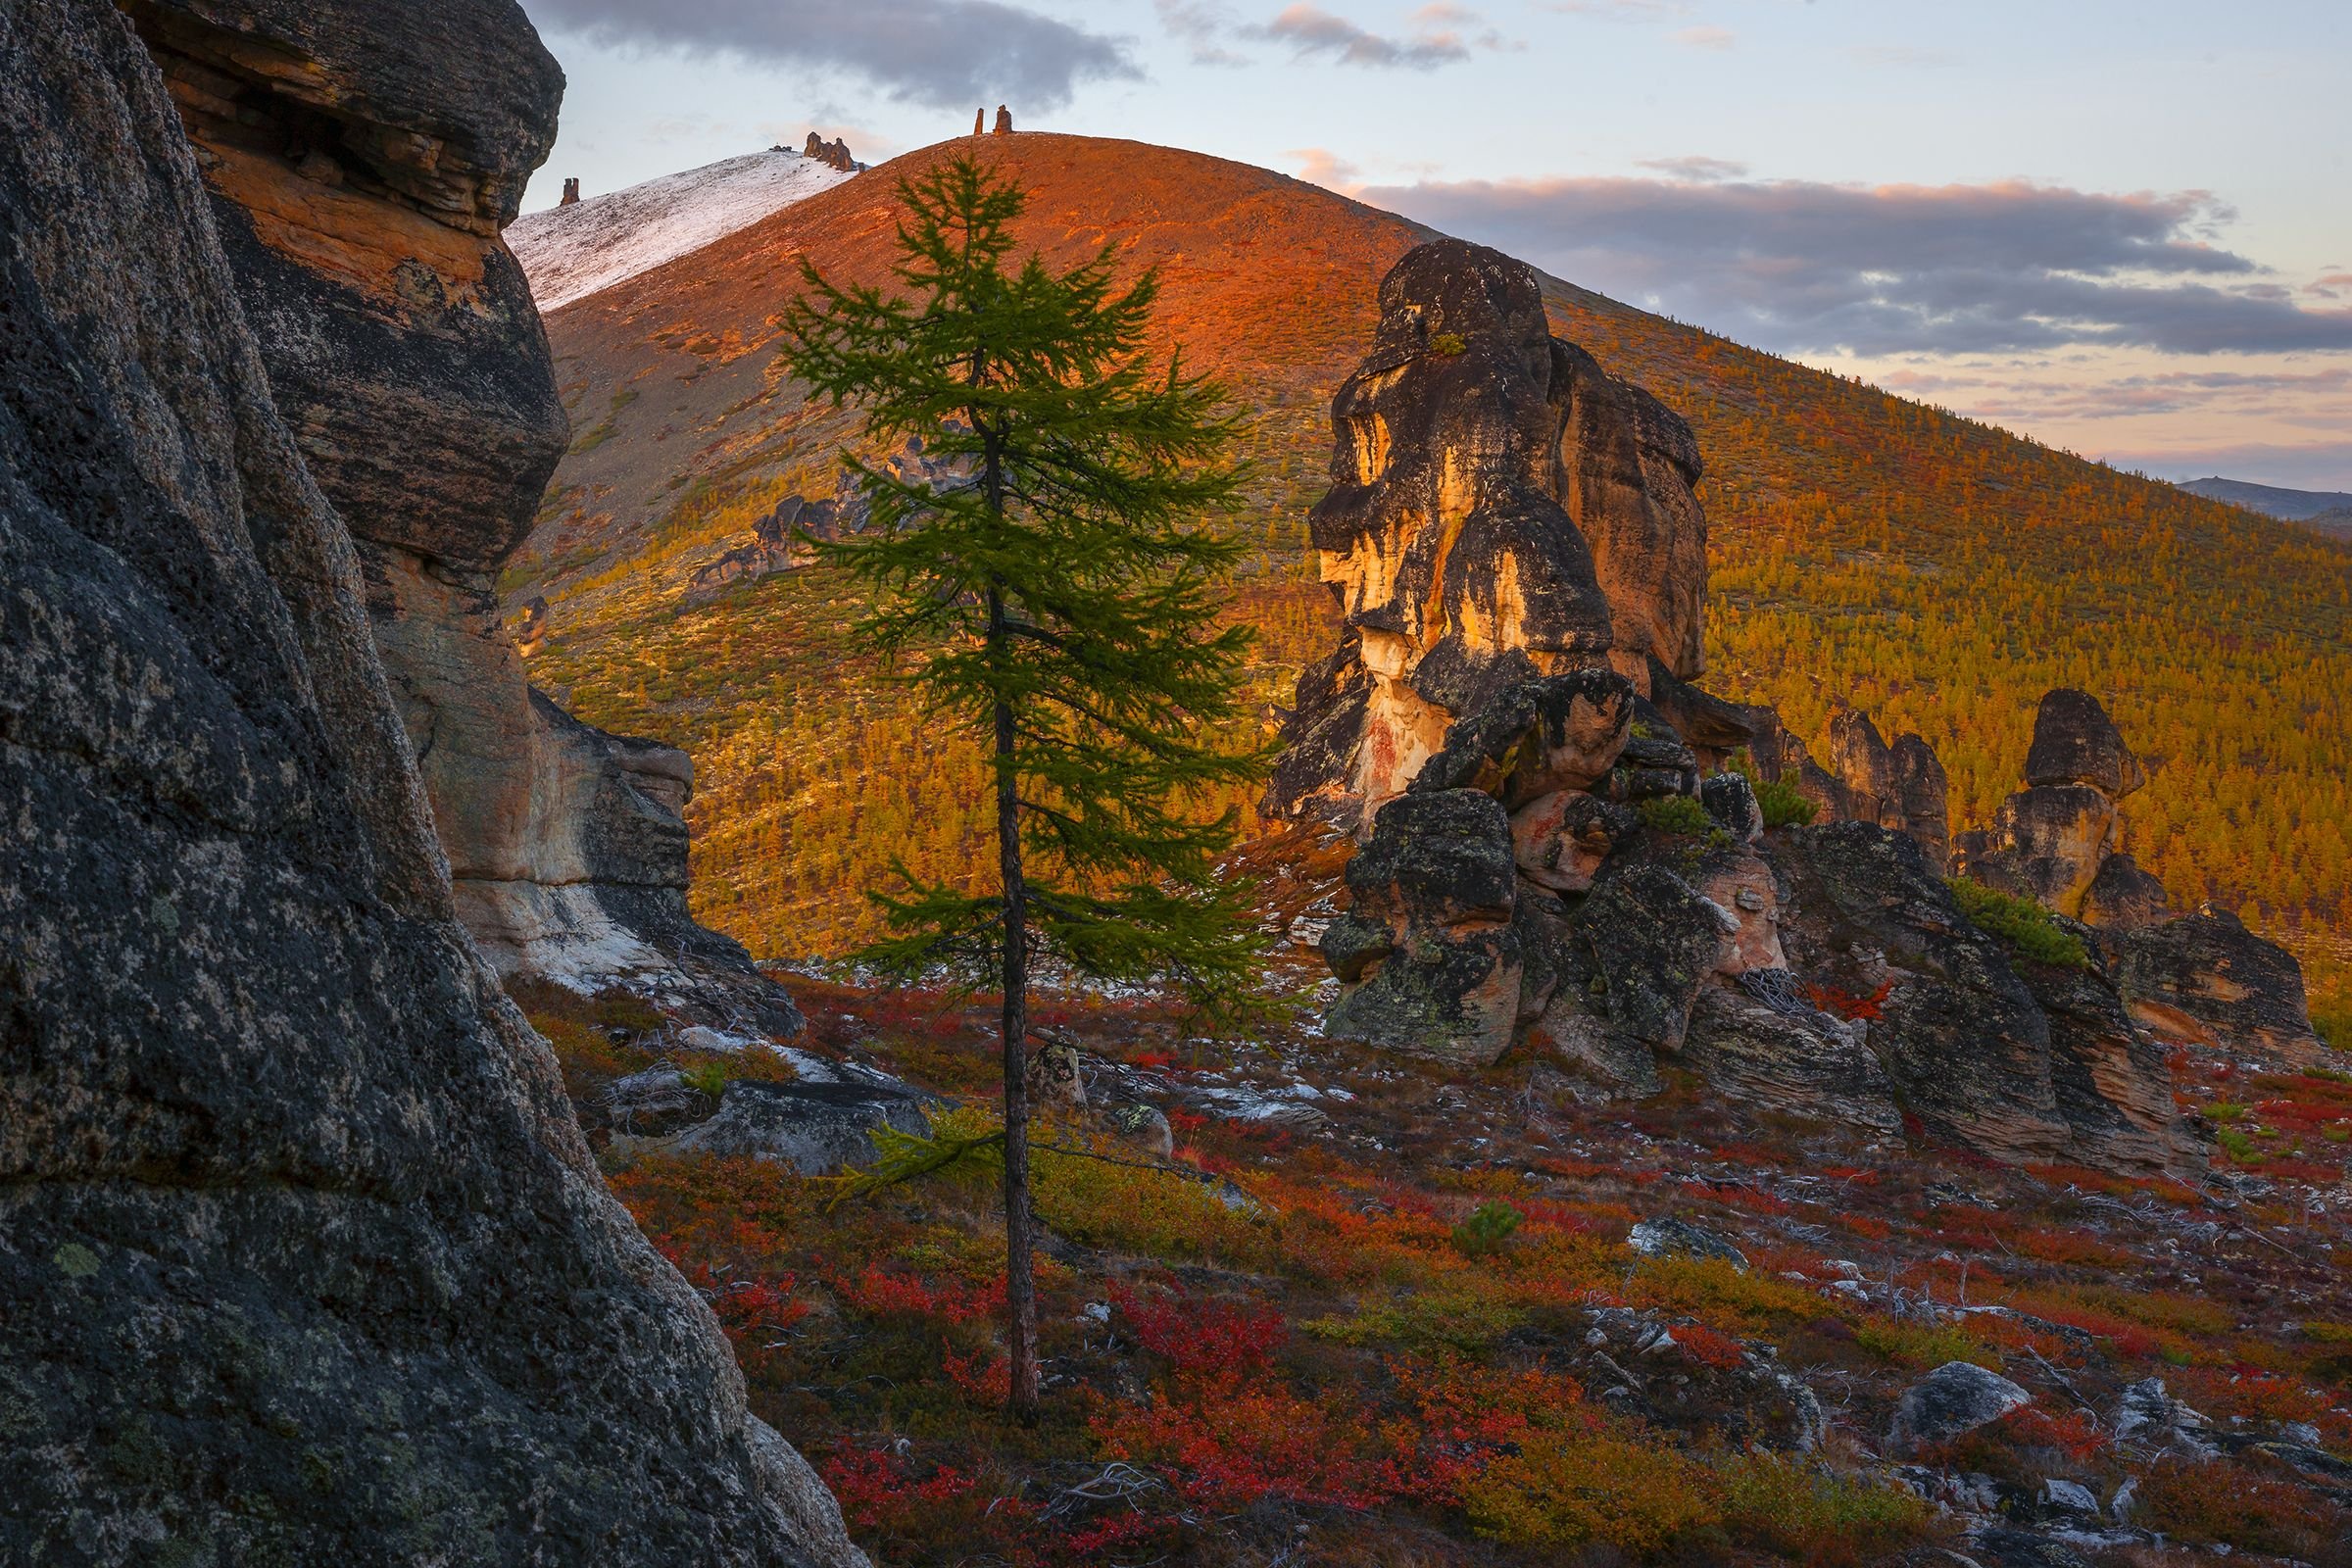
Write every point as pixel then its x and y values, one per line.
pixel 1299 1346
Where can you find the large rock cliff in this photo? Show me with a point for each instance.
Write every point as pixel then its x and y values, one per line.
pixel 304 1254
pixel 362 167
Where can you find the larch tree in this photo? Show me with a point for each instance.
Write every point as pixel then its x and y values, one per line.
pixel 1060 602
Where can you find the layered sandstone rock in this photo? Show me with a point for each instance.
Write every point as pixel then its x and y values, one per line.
pixel 306 1259
pixel 1499 509
pixel 2205 979
pixel 362 169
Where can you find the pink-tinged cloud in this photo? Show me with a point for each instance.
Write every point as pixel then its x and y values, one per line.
pixel 1706 38
pixel 1311 31
pixel 1804 266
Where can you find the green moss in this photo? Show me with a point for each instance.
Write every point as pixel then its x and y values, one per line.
pixel 2026 926
pixel 1448 344
pixel 76 1260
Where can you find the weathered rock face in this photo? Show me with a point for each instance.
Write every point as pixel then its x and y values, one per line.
pixel 834 154
pixel 2207 980
pixel 2075 742
pixel 306 1257
pixel 2124 898
pixel 1499 509
pixel 361 171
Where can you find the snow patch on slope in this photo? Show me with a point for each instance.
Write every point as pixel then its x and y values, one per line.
pixel 569 253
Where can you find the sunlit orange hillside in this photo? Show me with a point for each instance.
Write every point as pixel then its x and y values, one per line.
pixel 1934 570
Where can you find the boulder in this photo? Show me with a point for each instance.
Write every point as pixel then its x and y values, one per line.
pixel 2206 980
pixel 1429 942
pixel 1536 738
pixel 2075 742
pixel 816 1128
pixel 306 1258
pixel 1678 1237
pixel 360 172
pixel 1466 447
pixel 2123 898
pixel 1731 801
pixel 1558 841
pixel 1653 938
pixel 1952 1401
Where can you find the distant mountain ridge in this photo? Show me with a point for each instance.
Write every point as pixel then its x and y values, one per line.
pixel 2329 511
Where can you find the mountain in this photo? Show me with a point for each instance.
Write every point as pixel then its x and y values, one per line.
pixel 2272 501
pixel 1937 572
pixel 573 251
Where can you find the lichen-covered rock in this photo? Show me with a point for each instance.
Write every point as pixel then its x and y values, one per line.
pixel 1959 1033
pixel 1790 1058
pixel 306 1258
pixel 360 170
pixel 1730 800
pixel 1468 447
pixel 2075 742
pixel 2206 980
pixel 1430 938
pixel 817 1129
pixel 2115 1092
pixel 1952 1401
pixel 1561 840
pixel 1535 738
pixel 2048 843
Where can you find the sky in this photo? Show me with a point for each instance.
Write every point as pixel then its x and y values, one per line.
pixel 2119 226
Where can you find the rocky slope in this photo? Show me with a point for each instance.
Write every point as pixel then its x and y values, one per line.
pixel 306 1257
pixel 360 186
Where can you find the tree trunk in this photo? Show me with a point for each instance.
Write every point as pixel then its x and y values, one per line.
pixel 1020 1278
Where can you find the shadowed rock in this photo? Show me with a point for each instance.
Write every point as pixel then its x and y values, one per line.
pixel 307 1260
pixel 1432 963
pixel 1952 1401
pixel 2124 898
pixel 817 1129
pixel 2075 742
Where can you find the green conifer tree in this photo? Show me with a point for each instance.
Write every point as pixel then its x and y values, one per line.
pixel 1062 605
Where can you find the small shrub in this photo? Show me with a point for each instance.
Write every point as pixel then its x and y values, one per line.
pixel 1568 1492
pixel 2023 924
pixel 1814 1516
pixel 1490 1226
pixel 1784 804
pixel 1675 814
pixel 710 1078
pixel 1448 344
pixel 2218 1504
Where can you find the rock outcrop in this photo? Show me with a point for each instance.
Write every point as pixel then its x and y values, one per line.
pixel 571 194
pixel 2049 840
pixel 834 154
pixel 306 1258
pixel 2200 979
pixel 1003 121
pixel 361 173
pixel 1499 509
pixel 1556 860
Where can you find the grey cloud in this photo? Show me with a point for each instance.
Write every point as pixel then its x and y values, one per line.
pixel 951 53
pixel 1201 24
pixel 1311 31
pixel 1810 268
pixel 1695 167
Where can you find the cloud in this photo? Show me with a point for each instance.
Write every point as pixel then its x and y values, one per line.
pixel 1619 10
pixel 1320 166
pixel 1804 266
pixel 1313 30
pixel 947 53
pixel 1706 38
pixel 1693 168
pixel 1201 24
